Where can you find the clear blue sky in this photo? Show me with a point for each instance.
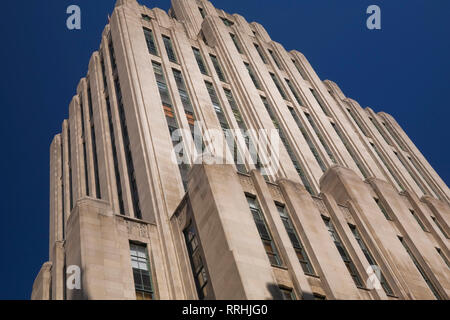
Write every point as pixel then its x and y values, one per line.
pixel 403 69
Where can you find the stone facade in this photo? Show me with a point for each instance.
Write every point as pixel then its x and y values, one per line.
pixel 352 191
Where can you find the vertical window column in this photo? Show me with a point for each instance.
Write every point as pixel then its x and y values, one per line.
pixel 231 141
pixel 83 139
pixel 311 145
pixel 286 144
pixel 113 139
pixel 264 233
pixel 217 67
pixel 126 141
pixel 349 149
pixel 420 269
pixel 321 138
pixel 295 240
pixel 384 284
pixel 197 262
pixel 171 118
pixel 151 44
pixel 94 145
pixel 169 49
pixel 200 62
pixel 243 128
pixel 343 252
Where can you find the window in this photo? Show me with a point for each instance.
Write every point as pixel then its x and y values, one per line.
pixel 186 101
pixel 412 175
pixel 275 58
pixel 443 257
pixel 202 12
pixel 386 165
pixel 375 123
pixel 217 67
pixel 319 296
pixel 294 92
pixel 243 128
pixel 387 289
pixel 419 268
pixel 287 293
pixel 260 52
pixel 343 252
pixel 321 138
pixel 264 233
pixel 227 22
pixel 232 145
pixel 421 172
pixel 236 42
pixel 349 149
pixel 298 168
pixel 320 102
pixel 171 118
pixel 300 70
pixel 395 136
pixel 382 209
pixel 201 64
pixel 252 76
pixel 94 145
pixel 439 226
pixel 278 85
pixel 197 261
pixel 83 133
pixel 151 45
pixel 141 272
pixel 295 240
pixel 114 152
pixel 419 222
pixel 350 112
pixel 127 151
pixel 311 145
pixel 146 17
pixel 169 49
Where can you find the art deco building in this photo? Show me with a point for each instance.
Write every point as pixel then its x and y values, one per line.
pixel 353 201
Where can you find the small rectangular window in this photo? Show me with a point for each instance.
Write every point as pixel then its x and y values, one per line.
pixel 260 52
pixel 320 102
pixel 227 22
pixel 300 70
pixel 275 58
pixel 319 296
pixel 169 49
pixel 419 222
pixel 146 17
pixel 236 42
pixel 151 45
pixel 200 62
pixel 294 92
pixel 141 272
pixel 252 76
pixel 278 85
pixel 382 209
pixel 443 257
pixel 218 68
pixel 321 138
pixel 202 12
pixel 287 293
